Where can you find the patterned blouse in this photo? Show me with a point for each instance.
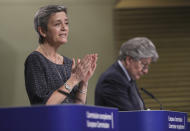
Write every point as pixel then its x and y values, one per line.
pixel 43 77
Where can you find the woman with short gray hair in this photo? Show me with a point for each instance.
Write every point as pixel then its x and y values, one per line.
pixel 51 78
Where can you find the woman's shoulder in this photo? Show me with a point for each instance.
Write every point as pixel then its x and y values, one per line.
pixel 34 56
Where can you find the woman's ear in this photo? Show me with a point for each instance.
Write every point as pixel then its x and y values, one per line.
pixel 41 31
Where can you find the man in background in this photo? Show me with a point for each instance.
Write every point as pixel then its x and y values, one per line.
pixel 117 87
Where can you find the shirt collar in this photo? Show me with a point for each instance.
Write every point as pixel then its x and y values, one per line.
pixel 124 70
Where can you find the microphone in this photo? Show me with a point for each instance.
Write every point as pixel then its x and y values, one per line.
pixel 153 97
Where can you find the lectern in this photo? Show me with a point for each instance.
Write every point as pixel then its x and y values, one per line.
pixel 59 118
pixel 89 118
pixel 152 121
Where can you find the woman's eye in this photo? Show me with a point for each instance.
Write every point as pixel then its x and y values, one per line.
pixel 57 24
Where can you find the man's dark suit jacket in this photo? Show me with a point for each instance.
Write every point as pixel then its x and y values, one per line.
pixel 115 90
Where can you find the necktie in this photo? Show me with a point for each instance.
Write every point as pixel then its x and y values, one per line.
pixel 134 89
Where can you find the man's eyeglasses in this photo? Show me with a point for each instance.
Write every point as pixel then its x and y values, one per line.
pixel 144 65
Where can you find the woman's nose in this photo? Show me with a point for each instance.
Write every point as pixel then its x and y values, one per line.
pixel 64 27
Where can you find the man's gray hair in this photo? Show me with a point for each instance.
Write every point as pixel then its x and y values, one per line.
pixel 138 48
pixel 42 16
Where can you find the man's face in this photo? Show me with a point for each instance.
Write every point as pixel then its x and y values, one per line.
pixel 137 68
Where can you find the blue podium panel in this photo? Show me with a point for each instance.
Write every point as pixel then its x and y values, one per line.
pixel 59 118
pixel 188 129
pixel 152 121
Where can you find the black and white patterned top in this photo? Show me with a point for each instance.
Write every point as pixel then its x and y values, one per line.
pixel 43 77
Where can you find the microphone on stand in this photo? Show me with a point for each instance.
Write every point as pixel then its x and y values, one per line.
pixel 152 96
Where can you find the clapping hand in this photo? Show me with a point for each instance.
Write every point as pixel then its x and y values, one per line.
pixel 84 68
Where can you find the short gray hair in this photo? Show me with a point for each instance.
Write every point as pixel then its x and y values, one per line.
pixel 42 16
pixel 138 48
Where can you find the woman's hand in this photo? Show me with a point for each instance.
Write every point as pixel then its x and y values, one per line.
pixel 90 72
pixel 80 70
pixel 84 69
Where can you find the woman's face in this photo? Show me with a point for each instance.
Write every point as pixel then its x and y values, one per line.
pixel 57 28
